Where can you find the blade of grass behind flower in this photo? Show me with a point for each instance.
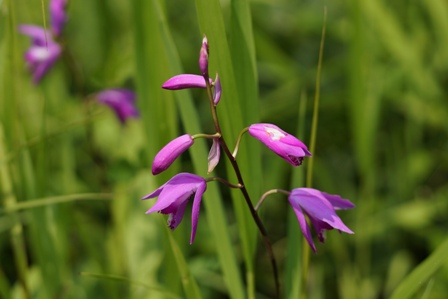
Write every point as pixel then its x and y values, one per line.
pixel 242 50
pixel 230 112
pixel 158 110
pixel 212 198
pixel 422 273
pixel 293 273
pixel 8 114
pixel 164 292
pixel 313 135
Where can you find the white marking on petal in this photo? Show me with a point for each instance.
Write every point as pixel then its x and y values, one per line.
pixel 274 133
pixel 40 53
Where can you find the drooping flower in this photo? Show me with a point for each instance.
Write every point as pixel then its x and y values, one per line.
pixel 320 208
pixel 184 81
pixel 42 54
pixel 283 144
pixel 203 58
pixel 166 156
pixel 174 196
pixel 214 155
pixel 58 16
pixel 122 101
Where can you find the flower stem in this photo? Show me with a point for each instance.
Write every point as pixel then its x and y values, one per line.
pixel 232 159
pixel 225 182
pixel 237 146
pixel 260 202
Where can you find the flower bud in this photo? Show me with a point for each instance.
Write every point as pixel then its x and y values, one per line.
pixel 203 58
pixel 166 156
pixel 184 81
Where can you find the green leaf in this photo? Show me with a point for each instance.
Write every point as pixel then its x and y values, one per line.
pixel 422 273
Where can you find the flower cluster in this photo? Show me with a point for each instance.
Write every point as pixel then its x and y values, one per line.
pixel 174 195
pixel 44 50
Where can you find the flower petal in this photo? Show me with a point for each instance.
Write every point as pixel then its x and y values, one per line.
pixel 214 155
pixel 58 15
pixel 175 218
pixel 196 208
pixel 121 101
pixel 303 224
pixel 37 34
pixel 338 202
pixel 217 90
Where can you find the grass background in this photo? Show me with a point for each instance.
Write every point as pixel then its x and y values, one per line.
pixel 72 224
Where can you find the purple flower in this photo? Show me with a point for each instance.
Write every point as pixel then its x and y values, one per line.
pixel 42 54
pixel 122 101
pixel 184 81
pixel 58 16
pixel 166 156
pixel 174 196
pixel 283 144
pixel 203 58
pixel 320 208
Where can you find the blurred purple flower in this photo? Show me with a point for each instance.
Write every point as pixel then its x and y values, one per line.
pixel 283 144
pixel 203 58
pixel 166 156
pixel 184 81
pixel 58 16
pixel 122 101
pixel 174 196
pixel 320 208
pixel 42 54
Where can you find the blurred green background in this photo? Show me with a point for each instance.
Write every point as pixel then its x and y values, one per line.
pixel 72 224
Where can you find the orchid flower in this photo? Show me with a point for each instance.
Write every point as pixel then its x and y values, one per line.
pixel 283 144
pixel 42 54
pixel 320 208
pixel 174 196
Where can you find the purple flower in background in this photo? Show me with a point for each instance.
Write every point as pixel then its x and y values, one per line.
pixel 320 208
pixel 166 156
pixel 122 101
pixel 42 54
pixel 283 144
pixel 184 81
pixel 58 16
pixel 174 196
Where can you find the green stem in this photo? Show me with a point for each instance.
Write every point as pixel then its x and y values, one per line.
pixel 261 228
pixel 237 146
pixel 209 136
pixel 225 182
pixel 309 174
pixel 260 202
